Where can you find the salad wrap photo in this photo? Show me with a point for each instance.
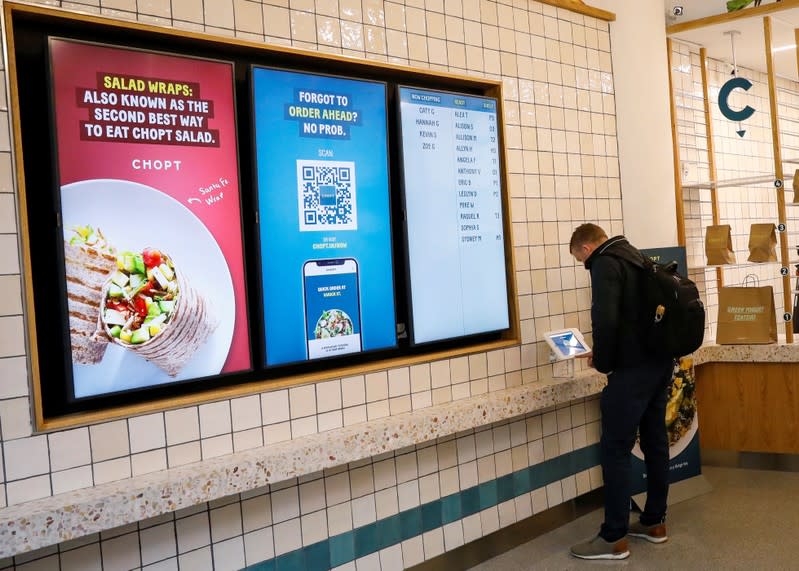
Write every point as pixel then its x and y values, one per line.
pixel 149 308
pixel 88 262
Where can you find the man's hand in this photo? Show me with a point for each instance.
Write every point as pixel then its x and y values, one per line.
pixel 589 356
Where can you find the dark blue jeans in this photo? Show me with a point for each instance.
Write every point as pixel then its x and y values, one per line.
pixel 634 398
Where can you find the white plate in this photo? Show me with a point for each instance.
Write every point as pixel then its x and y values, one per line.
pixel 676 448
pixel 132 217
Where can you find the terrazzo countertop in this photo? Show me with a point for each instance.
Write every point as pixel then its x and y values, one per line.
pixel 71 515
pixel 52 520
pixel 773 353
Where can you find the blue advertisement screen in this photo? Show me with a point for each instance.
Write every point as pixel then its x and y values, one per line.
pixel 324 213
pixel 453 201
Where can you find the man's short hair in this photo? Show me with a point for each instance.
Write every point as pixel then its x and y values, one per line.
pixel 586 234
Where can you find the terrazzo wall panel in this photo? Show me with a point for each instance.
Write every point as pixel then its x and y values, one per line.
pixel 563 169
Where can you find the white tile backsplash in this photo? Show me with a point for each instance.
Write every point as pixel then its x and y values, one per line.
pixel 9 254
pixel 364 510
pixel 11 301
pixel 12 335
pixel 328 396
pixel 302 401
pixel 215 419
pixel 87 558
pixel 182 454
pixel 121 552
pixel 148 462
pixel 288 536
pixel 216 446
pixel 158 543
pixel 26 457
pixel 182 425
pixel 376 387
pixel 229 554
pixel 353 390
pixel 256 513
pixel 146 432
pixel 69 448
pixel 193 532
pixel 112 470
pixel 109 440
pixel 226 522
pixel 246 413
pixel 259 545
pixel 71 479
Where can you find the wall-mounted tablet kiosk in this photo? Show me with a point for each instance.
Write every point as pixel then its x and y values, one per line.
pixel 566 343
pixel 453 206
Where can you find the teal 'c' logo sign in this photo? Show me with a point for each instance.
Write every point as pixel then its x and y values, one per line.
pixel 724 106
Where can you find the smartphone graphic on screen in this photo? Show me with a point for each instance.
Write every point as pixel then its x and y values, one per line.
pixel 332 307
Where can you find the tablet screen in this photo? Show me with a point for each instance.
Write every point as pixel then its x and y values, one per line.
pixel 568 344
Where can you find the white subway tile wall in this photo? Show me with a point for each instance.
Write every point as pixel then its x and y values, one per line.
pixel 562 170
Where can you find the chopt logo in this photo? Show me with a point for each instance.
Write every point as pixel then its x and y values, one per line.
pixel 131 109
pixel 724 106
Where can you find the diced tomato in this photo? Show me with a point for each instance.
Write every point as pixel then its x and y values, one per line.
pixel 139 305
pixel 146 288
pixel 151 257
pixel 115 304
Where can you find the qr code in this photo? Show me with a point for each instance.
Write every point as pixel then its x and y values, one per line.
pixel 326 192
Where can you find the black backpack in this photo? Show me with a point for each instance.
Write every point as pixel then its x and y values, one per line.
pixel 674 315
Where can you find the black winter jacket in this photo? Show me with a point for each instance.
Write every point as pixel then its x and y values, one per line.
pixel 616 306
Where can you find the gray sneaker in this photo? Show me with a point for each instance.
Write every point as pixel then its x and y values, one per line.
pixel 653 533
pixel 598 548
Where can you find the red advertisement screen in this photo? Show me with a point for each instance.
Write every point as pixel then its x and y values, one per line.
pixel 151 217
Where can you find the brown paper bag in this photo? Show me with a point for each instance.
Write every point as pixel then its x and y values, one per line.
pixel 762 243
pixel 746 316
pixel 796 187
pixel 718 245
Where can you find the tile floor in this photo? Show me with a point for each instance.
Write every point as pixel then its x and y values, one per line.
pixel 731 527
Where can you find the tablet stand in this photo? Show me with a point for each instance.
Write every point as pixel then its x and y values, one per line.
pixel 561 369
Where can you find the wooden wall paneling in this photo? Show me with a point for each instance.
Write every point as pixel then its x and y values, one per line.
pixel 749 407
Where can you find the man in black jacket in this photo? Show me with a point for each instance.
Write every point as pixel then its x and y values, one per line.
pixel 635 397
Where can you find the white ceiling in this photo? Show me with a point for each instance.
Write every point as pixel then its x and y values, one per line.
pixel 749 44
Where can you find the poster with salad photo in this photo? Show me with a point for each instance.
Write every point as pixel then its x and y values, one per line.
pixel 151 216
pixel 682 418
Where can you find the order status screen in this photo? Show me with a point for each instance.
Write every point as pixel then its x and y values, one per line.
pixel 453 202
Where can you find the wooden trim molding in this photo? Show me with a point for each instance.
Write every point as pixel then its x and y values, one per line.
pixel 778 174
pixel 711 151
pixel 758 11
pixel 675 148
pixel 581 8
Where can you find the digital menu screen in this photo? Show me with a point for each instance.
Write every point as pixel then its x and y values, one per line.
pixel 325 224
pixel 150 210
pixel 452 192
